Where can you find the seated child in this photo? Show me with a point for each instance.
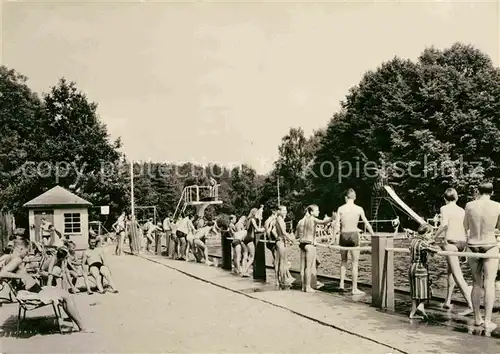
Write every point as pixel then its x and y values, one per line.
pixel 56 267
pixel 420 249
pixel 75 270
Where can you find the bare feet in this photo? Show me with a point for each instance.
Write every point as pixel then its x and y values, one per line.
pixel 415 317
pixel 86 330
pixel 490 326
pixel 467 312
pixel 357 292
pixel 421 308
pixel 310 290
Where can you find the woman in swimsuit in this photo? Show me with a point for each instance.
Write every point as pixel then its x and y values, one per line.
pixel 239 247
pixel 252 227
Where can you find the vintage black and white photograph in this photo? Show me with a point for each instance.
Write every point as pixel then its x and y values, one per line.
pixel 250 176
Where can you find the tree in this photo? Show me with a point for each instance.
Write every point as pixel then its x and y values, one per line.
pixel 431 124
pixel 244 190
pixel 57 140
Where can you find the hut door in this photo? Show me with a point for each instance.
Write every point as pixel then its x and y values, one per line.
pixel 48 215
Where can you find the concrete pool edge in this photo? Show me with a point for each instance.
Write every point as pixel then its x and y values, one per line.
pixel 386 328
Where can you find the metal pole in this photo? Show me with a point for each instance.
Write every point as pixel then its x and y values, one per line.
pixel 132 207
pixel 278 183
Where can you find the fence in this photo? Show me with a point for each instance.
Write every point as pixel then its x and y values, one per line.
pixel 6 223
pixel 382 263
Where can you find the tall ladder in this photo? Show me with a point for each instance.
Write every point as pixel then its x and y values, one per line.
pixel 378 194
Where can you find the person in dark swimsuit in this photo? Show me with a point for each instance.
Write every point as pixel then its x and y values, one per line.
pixel 482 216
pixel 346 223
pixel 252 227
pixel 95 259
pixel 239 247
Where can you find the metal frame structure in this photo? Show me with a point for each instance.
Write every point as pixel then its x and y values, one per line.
pixel 144 208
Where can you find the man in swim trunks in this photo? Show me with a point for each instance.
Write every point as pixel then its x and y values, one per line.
pixel 95 258
pixel 482 216
pixel 184 228
pixel 45 231
pixel 346 223
pixel 15 269
pixel 259 215
pixel 451 224
pixel 119 227
pixel 306 233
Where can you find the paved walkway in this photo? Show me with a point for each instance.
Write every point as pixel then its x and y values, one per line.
pixel 172 306
pixel 162 310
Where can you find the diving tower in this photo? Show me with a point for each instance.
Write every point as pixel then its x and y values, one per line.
pixel 198 196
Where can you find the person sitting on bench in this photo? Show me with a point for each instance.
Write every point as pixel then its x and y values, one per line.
pixel 98 267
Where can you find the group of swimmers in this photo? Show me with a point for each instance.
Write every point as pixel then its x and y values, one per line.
pixel 274 233
pixel 474 229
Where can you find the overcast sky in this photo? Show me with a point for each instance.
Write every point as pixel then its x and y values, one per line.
pixel 223 82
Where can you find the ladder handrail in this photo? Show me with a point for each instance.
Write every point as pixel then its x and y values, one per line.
pixel 179 203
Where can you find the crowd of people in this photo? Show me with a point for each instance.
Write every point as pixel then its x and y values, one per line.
pixel 48 272
pixel 472 229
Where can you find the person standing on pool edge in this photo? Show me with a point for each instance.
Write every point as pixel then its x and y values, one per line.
pixel 306 233
pixel 482 216
pixel 451 224
pixel 346 223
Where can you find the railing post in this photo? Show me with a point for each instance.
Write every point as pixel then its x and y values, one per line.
pixel 170 243
pixel 197 193
pixel 259 262
pixel 226 257
pixel 158 237
pixel 382 272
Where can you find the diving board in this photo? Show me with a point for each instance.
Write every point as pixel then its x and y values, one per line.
pixel 404 206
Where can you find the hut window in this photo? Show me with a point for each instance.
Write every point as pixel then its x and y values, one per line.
pixel 72 224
